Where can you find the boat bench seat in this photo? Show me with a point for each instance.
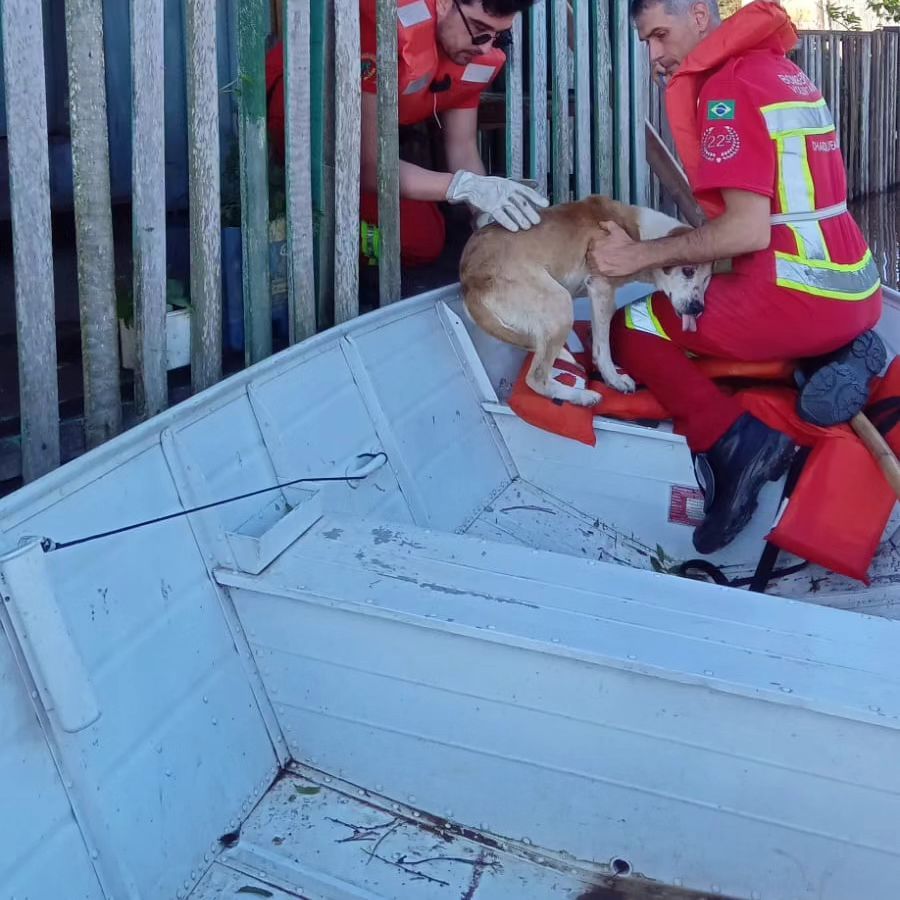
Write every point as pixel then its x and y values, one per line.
pixel 610 615
pixel 521 691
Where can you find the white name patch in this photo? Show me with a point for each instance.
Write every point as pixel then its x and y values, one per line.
pixel 413 13
pixel 478 74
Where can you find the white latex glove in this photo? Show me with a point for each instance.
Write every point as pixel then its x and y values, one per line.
pixel 508 202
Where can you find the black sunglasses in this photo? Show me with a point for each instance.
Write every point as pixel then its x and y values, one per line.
pixel 500 39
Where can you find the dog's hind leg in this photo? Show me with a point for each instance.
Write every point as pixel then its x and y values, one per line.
pixel 549 345
pixel 603 308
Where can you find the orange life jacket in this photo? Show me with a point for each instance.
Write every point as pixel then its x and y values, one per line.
pixel 428 80
pixel 757 26
pixel 841 504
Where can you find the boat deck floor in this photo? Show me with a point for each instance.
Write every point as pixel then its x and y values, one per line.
pixel 528 516
pixel 315 838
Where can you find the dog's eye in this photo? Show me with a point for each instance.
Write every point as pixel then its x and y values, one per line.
pixel 688 272
pixel 667 270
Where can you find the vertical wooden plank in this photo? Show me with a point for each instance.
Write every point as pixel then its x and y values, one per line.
pixel 93 221
pixel 323 152
pixel 29 182
pixel 893 80
pixel 560 116
pixel 865 100
pixel 388 154
pixel 582 99
pixel 298 171
pixel 802 54
pixel 539 155
pixel 254 180
pixel 205 212
pixel 149 206
pixel 515 137
pixel 347 101
pixel 834 84
pixel 640 104
pixel 877 114
pixel 602 106
pixel 621 40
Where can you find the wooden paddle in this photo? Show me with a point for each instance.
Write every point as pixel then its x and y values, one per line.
pixel 672 177
pixel 879 448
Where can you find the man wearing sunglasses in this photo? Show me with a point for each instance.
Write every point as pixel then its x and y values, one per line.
pixel 449 52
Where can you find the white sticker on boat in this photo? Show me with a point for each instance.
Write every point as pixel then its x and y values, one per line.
pixel 478 74
pixel 413 13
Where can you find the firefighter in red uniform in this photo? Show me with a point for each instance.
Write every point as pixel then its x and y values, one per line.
pixel 449 52
pixel 760 150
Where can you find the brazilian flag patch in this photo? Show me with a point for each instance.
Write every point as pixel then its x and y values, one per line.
pixel 720 110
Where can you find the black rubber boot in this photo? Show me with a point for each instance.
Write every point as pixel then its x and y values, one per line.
pixel 839 388
pixel 732 473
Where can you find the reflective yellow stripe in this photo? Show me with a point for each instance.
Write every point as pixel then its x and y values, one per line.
pixel 789 124
pixel 795 117
pixel 796 190
pixel 639 316
pixel 810 240
pixel 837 281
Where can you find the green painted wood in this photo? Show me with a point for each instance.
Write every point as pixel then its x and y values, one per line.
pixel 388 153
pixel 298 153
pixel 93 220
pixel 29 182
pixel 514 109
pixel 252 29
pixel 323 141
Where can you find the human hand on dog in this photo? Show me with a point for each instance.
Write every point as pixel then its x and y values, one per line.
pixel 503 200
pixel 614 256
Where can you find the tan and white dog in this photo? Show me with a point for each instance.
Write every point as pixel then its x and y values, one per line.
pixel 519 286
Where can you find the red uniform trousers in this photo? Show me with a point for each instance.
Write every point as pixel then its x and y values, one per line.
pixel 747 320
pixel 423 231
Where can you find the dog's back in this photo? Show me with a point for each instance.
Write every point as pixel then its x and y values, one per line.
pixel 558 245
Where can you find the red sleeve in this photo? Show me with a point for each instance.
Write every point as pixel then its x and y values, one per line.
pixel 736 150
pixel 367 44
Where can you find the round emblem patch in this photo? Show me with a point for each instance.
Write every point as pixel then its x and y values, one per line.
pixel 720 143
pixel 367 67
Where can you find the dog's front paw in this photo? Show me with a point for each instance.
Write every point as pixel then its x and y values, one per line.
pixel 623 383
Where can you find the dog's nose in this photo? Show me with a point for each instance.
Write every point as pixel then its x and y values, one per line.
pixel 694 308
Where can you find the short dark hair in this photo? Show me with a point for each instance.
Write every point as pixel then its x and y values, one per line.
pixel 502 8
pixel 673 7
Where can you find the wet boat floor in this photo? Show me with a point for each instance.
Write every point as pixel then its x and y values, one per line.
pixel 313 837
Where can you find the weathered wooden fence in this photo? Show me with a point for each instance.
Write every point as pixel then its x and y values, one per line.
pixel 575 92
pixel 859 75
pixel 574 97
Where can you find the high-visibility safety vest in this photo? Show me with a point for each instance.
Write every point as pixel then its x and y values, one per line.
pixel 429 82
pixel 816 245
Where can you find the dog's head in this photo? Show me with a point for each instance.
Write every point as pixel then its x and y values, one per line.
pixel 685 286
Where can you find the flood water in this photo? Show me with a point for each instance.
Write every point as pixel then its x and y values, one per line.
pixel 879 217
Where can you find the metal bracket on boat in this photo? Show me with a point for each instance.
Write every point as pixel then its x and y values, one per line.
pixel 59 673
pixel 263 537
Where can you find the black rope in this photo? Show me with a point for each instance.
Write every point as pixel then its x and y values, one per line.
pixel 716 575
pixel 49 545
